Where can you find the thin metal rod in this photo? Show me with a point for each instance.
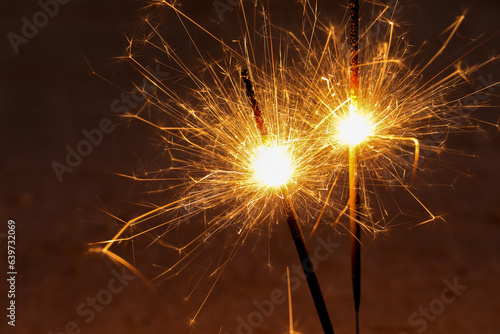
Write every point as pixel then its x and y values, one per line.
pixel 293 222
pixel 308 268
pixel 355 229
pixel 354 68
pixel 354 196
pixel 259 120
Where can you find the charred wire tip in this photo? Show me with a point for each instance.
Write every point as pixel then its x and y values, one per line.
pixel 245 76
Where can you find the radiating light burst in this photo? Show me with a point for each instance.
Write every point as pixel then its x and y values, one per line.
pixel 273 165
pixel 221 178
pixel 355 127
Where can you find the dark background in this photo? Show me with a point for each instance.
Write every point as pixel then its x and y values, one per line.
pixel 49 95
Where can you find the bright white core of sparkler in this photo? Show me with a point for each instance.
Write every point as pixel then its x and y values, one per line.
pixel 272 166
pixel 354 128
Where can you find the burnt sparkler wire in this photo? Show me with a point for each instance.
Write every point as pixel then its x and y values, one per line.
pixel 293 224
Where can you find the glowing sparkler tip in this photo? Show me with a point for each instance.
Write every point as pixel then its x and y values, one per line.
pixel 272 166
pixel 355 128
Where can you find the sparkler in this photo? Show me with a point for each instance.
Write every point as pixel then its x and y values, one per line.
pixel 222 159
pixel 219 156
pixel 361 125
pixel 273 167
pixel 353 125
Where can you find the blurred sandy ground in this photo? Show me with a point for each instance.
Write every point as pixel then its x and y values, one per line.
pixel 48 96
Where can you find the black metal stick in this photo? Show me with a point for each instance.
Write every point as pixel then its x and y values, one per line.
pixel 245 76
pixel 355 229
pixel 354 195
pixel 293 223
pixel 354 8
pixel 307 267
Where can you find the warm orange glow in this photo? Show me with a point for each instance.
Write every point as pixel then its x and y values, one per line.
pixel 355 128
pixel 272 166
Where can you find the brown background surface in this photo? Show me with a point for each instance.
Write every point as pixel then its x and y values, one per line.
pixel 48 96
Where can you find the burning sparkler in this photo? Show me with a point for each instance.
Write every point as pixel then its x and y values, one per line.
pixel 243 170
pixel 273 167
pixel 234 172
pixel 384 105
pixel 354 130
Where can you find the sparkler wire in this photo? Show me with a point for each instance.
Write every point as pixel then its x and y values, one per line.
pixel 354 214
pixel 245 76
pixel 293 224
pixel 354 196
pixel 307 266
